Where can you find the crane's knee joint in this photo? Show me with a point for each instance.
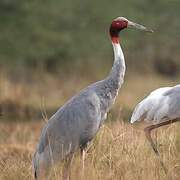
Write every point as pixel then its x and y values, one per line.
pixel 147 129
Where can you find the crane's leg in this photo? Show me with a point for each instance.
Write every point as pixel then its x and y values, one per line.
pixel 148 130
pixel 67 167
pixel 83 154
pixel 83 148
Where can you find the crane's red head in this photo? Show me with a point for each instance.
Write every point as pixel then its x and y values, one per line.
pixel 117 25
pixel 121 23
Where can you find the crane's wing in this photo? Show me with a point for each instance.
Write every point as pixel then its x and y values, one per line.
pixel 174 91
pixel 147 109
pixel 174 102
pixel 72 125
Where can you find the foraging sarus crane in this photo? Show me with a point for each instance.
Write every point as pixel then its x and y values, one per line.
pixel 78 120
pixel 161 107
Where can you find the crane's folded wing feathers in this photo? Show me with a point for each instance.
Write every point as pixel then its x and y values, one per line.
pixel 151 106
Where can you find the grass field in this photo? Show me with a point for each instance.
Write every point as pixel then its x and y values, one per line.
pixel 120 150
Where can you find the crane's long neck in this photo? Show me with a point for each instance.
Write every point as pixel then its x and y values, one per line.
pixel 118 70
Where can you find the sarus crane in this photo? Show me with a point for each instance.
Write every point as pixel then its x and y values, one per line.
pixel 161 107
pixel 79 119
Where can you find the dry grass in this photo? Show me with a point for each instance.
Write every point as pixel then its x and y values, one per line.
pixel 120 150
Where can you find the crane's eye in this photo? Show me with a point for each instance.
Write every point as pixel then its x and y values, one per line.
pixel 121 23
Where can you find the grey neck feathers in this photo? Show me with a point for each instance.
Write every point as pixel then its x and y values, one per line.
pixel 117 73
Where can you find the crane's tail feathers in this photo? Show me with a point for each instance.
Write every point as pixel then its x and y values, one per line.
pixel 139 112
pixel 135 114
pixel 35 175
pixel 133 119
pixel 34 165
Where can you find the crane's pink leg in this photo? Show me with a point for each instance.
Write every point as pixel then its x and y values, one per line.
pixel 148 130
pixel 83 158
pixel 83 155
pixel 67 167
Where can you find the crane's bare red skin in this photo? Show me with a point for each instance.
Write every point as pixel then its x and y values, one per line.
pixel 115 28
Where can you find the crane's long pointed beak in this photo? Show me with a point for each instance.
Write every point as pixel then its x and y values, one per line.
pixel 138 26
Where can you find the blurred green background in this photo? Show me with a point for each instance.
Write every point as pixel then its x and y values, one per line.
pixel 51 49
pixel 56 34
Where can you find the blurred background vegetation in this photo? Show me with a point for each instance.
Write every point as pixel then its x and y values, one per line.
pixel 52 34
pixel 45 44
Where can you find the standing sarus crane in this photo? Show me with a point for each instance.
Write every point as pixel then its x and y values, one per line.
pixel 79 119
pixel 161 107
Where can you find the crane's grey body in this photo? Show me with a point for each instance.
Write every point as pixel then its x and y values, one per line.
pixel 77 122
pixel 161 105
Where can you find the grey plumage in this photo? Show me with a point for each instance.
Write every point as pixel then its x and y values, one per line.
pixel 161 107
pixel 78 121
